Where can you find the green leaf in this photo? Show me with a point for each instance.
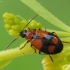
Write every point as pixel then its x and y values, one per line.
pixel 41 11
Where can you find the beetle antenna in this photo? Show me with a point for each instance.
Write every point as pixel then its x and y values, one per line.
pixel 12 42
pixel 65 42
pixel 51 58
pixel 19 36
pixel 30 21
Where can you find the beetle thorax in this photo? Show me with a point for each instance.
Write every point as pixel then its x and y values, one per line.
pixel 29 34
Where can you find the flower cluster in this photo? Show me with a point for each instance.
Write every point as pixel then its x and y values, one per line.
pixel 13 25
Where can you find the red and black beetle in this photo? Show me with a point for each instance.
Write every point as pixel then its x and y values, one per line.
pixel 46 42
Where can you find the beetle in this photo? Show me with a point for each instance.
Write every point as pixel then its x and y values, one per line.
pixel 46 42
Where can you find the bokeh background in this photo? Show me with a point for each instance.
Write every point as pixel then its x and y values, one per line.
pixel 60 8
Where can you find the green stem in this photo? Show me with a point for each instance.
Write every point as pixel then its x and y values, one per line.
pixel 41 11
pixel 20 17
pixel 3 63
pixel 16 52
pixel 59 33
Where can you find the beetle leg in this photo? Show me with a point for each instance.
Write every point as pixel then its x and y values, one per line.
pixel 54 33
pixel 28 28
pixel 39 29
pixel 41 53
pixel 51 58
pixel 45 54
pixel 33 48
pixel 65 42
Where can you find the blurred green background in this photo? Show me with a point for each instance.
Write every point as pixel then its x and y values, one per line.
pixel 60 8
